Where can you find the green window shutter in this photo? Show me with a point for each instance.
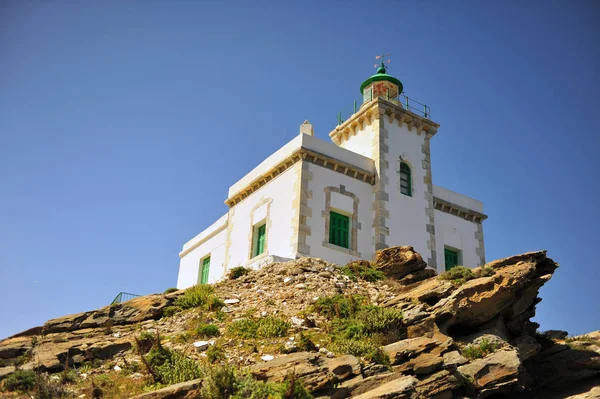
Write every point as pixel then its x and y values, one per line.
pixel 405 179
pixel 205 270
pixel 450 258
pixel 260 247
pixel 339 229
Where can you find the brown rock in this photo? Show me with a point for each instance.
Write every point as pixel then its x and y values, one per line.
pixel 453 359
pixel 402 351
pixel 399 388
pixel 11 348
pixel 494 373
pixel 183 390
pixel 308 367
pixel 343 367
pixel 417 276
pixel 397 262
pixel 426 363
pixel 438 385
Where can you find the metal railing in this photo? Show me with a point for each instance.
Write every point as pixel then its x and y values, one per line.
pixel 404 101
pixel 123 297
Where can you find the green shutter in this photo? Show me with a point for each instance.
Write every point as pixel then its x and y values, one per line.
pixel 339 229
pixel 260 240
pixel 405 179
pixel 205 270
pixel 450 258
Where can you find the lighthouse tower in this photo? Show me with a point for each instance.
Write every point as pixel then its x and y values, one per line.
pixel 392 131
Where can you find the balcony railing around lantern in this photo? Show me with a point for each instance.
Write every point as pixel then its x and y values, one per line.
pixel 123 297
pixel 402 100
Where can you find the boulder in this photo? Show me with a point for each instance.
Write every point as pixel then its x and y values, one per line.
pixel 453 359
pixel 183 390
pixel 310 368
pixel 397 262
pixel 438 385
pixel 402 351
pixel 343 367
pixel 417 276
pixel 494 373
pixel 400 388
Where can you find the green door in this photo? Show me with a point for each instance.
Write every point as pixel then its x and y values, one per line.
pixel 260 240
pixel 339 231
pixel 450 258
pixel 205 271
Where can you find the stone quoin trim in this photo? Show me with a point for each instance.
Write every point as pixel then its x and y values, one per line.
pixel 302 194
pixel 263 201
pixel 306 155
pixel 480 248
pixel 370 112
pixel 457 210
pixel 429 211
pixel 380 195
pixel 228 238
pixel 353 250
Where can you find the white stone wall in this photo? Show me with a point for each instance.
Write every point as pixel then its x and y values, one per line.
pixel 407 215
pixel 361 142
pixel 457 234
pixel 320 179
pixel 191 263
pixel 279 231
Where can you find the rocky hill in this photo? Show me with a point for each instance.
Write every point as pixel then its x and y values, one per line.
pixel 384 329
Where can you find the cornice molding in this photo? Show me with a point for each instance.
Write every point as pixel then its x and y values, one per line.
pixel 302 154
pixel 378 108
pixel 203 240
pixel 457 210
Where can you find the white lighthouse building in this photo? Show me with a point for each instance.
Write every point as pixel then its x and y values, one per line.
pixel 368 189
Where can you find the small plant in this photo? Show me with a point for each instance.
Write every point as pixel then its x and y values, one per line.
pixel 480 351
pixel 169 311
pixel 21 380
pixel 145 341
pixel 68 376
pixel 170 367
pixel 362 347
pixel 269 327
pixel 207 330
pixel 484 271
pixel 340 306
pixel 238 272
pixel 304 343
pixel 170 290
pixel 215 353
pixel 201 295
pixel 458 275
pixel 362 269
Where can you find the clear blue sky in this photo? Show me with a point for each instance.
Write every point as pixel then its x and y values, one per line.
pixel 122 125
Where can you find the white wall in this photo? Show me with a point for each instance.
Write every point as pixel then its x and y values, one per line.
pixel 190 264
pixel 408 220
pixel 458 199
pixel 321 178
pixel 281 190
pixel 455 233
pixel 361 143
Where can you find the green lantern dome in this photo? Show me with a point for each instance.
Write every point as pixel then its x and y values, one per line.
pixel 381 75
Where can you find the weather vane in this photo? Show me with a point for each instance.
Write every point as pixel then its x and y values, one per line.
pixel 382 58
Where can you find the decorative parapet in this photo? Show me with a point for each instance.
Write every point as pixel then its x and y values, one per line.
pixel 307 155
pixel 371 111
pixel 457 210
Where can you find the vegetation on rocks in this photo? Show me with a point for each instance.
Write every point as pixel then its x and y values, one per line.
pixel 268 327
pixel 364 270
pixel 238 272
pixel 201 295
pixel 459 275
pixel 170 290
pixel 207 330
pixel 481 350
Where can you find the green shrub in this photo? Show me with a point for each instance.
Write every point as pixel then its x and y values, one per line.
pixel 484 348
pixel 304 343
pixel 271 327
pixel 171 367
pixel 21 380
pixel 215 353
pixel 363 270
pixel 226 382
pixel 340 306
pixel 207 330
pixel 238 272
pixel 484 271
pixel 169 290
pixel 371 320
pixel 458 275
pixel 268 327
pixel 169 311
pixel 201 295
pixel 68 376
pixel 145 341
pixel 361 347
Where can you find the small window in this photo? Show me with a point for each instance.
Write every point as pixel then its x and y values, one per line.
pixel 338 229
pixel 450 258
pixel 405 179
pixel 259 240
pixel 205 270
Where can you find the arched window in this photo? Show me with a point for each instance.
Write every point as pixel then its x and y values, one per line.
pixel 405 179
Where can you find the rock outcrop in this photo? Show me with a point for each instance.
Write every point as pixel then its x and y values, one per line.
pixel 456 340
